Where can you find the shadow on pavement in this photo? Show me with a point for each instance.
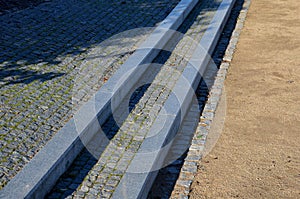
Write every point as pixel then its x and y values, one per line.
pixel 43 35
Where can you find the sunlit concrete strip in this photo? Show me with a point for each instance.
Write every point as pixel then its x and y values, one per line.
pixel 40 174
pixel 143 169
pixel 213 115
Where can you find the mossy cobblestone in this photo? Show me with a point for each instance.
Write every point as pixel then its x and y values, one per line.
pixel 44 51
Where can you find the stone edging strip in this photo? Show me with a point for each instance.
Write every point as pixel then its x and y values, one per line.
pixel 41 173
pixel 186 177
pixel 143 169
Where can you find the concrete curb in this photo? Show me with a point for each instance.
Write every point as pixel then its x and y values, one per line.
pixel 194 155
pixel 36 179
pixel 143 169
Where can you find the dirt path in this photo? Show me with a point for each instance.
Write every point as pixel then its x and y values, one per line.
pixel 258 153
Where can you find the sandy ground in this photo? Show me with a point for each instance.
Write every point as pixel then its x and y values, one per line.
pixel 258 152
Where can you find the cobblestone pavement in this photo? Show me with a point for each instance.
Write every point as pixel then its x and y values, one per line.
pixel 43 52
pixel 167 176
pixel 14 5
pixel 91 176
pixel 192 125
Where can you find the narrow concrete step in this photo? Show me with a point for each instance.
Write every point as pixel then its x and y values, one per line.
pixel 175 179
pixel 143 169
pixel 145 123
